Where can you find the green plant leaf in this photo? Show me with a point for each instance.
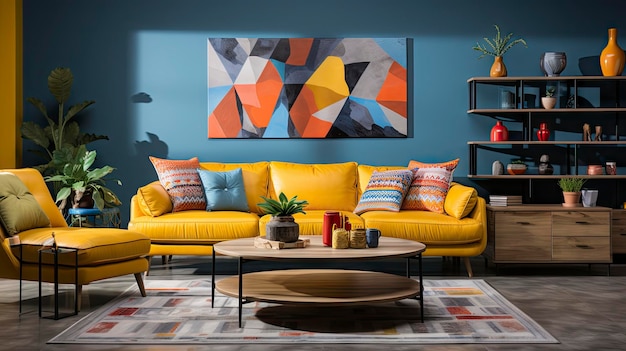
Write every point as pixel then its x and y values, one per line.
pixel 60 84
pixel 72 111
pixel 32 131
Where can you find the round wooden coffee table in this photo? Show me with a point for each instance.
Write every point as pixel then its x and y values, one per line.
pixel 320 286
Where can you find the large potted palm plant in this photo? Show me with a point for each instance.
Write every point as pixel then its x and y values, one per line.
pixel 60 137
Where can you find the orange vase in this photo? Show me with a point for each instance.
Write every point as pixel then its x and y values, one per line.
pixel 612 57
pixel 498 69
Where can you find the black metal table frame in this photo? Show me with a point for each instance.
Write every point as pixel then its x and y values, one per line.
pixel 241 260
pixel 56 252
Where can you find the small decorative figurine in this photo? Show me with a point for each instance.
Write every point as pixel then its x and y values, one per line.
pixel 598 134
pixel 586 132
pixel 544 165
pixel 497 168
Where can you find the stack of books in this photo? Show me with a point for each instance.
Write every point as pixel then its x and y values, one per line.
pixel 505 200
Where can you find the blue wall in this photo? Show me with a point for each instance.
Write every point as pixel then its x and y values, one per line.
pixel 119 50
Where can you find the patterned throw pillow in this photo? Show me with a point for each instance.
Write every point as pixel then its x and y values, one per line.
pixel 428 190
pixel 385 191
pixel 449 165
pixel 181 181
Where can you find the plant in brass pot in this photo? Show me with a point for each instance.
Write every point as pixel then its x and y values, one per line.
pixel 282 226
pixel 571 187
pixel 497 47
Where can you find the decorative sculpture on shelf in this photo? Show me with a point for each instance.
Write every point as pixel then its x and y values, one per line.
pixel 586 132
pixel 598 134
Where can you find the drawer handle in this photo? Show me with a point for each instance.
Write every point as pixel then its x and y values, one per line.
pixel 523 223
pixel 622 234
pixel 582 222
pixel 584 246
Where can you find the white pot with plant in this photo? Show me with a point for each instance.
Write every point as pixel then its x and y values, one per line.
pixel 571 187
pixel 549 101
pixel 497 47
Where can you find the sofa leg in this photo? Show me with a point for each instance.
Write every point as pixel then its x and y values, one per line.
pixel 139 279
pixel 468 266
pixel 79 297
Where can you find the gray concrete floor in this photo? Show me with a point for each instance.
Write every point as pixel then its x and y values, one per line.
pixel 580 305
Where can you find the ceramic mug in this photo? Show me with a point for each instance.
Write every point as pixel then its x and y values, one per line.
pixel 371 236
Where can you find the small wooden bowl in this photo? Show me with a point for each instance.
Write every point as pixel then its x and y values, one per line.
pixel 595 170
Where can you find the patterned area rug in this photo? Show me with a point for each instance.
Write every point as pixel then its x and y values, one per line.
pixel 179 312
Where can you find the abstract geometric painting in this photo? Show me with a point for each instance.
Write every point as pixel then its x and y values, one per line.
pixel 307 87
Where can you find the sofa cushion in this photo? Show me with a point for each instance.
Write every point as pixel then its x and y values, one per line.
pixel 154 199
pixel 365 173
pixel 224 191
pixel 325 186
pixel 385 191
pixel 460 200
pixel 426 227
pixel 197 227
pixel 181 180
pixel 449 165
pixel 19 210
pixel 428 189
pixel 95 245
pixel 255 179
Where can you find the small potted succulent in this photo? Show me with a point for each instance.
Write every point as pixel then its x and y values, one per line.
pixel 516 167
pixel 282 226
pixel 571 187
pixel 549 101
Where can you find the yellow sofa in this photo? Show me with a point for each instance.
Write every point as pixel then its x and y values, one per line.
pixel 460 232
pixel 102 252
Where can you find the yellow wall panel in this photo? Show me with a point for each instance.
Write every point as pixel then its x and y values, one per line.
pixel 10 83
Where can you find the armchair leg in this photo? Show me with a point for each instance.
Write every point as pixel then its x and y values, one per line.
pixel 468 266
pixel 139 279
pixel 79 297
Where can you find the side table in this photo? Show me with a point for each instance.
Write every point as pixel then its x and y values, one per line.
pixel 56 252
pixel 108 217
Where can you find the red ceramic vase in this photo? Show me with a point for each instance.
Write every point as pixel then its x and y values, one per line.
pixel 543 133
pixel 499 132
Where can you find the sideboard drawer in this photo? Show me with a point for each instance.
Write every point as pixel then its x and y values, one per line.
pixel 581 223
pixel 522 236
pixel 618 232
pixel 581 249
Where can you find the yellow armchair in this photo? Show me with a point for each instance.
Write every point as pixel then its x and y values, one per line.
pixel 102 252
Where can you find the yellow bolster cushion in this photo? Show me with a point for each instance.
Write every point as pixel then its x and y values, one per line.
pixel 154 200
pixel 325 186
pixel 460 200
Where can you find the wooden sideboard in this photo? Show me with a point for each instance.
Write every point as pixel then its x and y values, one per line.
pixel 551 234
pixel 618 232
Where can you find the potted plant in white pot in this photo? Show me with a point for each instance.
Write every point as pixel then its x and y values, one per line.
pixel 83 187
pixel 497 47
pixel 549 101
pixel 571 187
pixel 282 226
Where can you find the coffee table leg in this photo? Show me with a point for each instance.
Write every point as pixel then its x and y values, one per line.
pixel 239 268
pixel 419 258
pixel 213 280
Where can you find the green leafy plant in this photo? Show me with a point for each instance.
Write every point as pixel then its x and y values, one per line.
pixel 518 161
pixel 498 45
pixel 571 184
pixel 550 91
pixel 78 179
pixel 59 139
pixel 283 207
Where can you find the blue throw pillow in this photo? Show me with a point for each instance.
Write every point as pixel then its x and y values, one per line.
pixel 224 191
